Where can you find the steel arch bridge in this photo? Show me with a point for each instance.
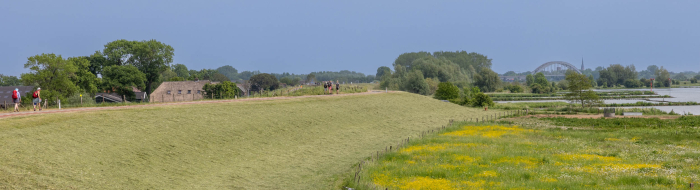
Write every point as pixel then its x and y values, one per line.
pixel 554 68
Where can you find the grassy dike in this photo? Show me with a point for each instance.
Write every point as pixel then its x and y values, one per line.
pixel 303 143
pixel 536 154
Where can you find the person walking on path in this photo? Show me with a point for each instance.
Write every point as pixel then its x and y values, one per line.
pixel 325 87
pixel 37 98
pixel 16 99
pixel 337 87
pixel 330 87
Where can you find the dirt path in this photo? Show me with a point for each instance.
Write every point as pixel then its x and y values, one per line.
pixel 68 110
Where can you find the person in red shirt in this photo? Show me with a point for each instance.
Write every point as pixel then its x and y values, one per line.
pixel 37 98
pixel 16 99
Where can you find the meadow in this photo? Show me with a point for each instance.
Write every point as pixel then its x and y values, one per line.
pixel 542 154
pixel 295 143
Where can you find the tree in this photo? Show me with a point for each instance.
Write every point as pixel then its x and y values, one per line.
pixel 119 52
pixel 616 74
pixel 290 81
pixel 406 59
pixel 441 68
pixel 482 100
pixel 563 84
pixel 433 84
pixel 97 63
pixel 680 77
pixel 446 91
pixel 541 79
pixel 9 80
pixel 263 81
pixel 225 89
pixel 510 73
pixel 310 78
pixel 151 57
pixel 83 78
pixel 487 80
pixel 415 83
pixel 590 78
pixel 52 73
pixel 180 70
pixel 662 76
pixel 631 83
pixel 121 79
pixel 228 71
pixel 245 75
pixel 219 77
pixel 167 75
pixel 579 88
pixel 381 71
pixel 529 80
pixel 514 88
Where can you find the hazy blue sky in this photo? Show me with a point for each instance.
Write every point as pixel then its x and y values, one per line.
pixel 305 36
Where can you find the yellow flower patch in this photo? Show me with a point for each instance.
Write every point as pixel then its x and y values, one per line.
pixel 465 158
pixel 475 184
pixel 612 139
pixel 614 168
pixel 487 174
pixel 488 131
pixel 574 157
pixel 448 166
pixel 436 147
pixel 548 179
pixel 520 160
pixel 427 184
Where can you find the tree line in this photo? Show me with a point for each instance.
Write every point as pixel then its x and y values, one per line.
pixel 421 72
pixel 617 75
pixel 123 65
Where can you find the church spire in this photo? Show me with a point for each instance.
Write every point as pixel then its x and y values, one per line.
pixel 581 64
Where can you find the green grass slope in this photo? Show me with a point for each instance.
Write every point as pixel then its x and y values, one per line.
pixel 304 143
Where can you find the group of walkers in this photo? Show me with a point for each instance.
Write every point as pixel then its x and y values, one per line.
pixel 328 86
pixel 16 99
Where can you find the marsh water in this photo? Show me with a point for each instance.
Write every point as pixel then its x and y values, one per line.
pixel 678 94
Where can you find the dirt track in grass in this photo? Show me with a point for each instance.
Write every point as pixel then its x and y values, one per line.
pixel 87 109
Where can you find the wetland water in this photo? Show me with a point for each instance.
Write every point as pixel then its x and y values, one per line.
pixel 678 94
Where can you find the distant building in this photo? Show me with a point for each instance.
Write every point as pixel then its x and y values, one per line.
pixel 243 87
pixel 173 91
pixel 6 93
pixel 116 98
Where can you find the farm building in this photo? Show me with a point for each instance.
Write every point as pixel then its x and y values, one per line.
pixel 114 97
pixel 173 91
pixel 6 93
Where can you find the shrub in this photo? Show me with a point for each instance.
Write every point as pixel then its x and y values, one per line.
pixel 446 91
pixel 482 100
pixel 514 88
pixel 631 83
pixel 264 81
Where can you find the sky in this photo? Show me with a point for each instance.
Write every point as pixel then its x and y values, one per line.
pixel 305 36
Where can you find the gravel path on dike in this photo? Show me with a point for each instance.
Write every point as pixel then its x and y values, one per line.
pixel 69 110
